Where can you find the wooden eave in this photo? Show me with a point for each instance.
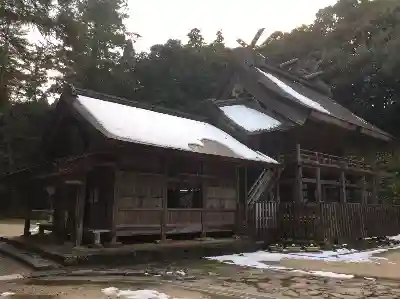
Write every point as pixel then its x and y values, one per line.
pixel 319 116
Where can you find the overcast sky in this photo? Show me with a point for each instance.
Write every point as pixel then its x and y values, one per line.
pixel 159 20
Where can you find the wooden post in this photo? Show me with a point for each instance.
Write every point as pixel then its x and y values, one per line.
pixel 318 184
pixel 343 198
pixel 299 177
pixel 27 223
pixel 164 212
pixel 203 209
pixel 238 197
pixel 374 189
pixel 245 205
pixel 374 184
pixel 115 207
pixel 364 198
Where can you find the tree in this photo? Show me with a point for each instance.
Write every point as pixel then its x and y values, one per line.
pixel 196 40
pixel 357 43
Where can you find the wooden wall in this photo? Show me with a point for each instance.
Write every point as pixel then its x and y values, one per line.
pixel 139 199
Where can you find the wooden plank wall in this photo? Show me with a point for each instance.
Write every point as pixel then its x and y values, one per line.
pixel 334 222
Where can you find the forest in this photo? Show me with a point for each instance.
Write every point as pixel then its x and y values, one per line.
pixel 355 43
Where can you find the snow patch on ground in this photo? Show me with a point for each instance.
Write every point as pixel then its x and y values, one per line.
pixel 34 230
pixel 394 238
pixel 138 294
pixel 270 260
pixel 325 274
pixel 7 294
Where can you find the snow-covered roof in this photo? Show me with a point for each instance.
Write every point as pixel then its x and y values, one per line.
pixel 298 96
pixel 250 119
pixel 137 125
pixel 317 101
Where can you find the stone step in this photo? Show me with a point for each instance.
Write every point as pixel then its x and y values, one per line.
pixel 30 259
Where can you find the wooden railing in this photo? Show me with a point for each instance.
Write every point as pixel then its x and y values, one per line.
pixel 336 222
pixel 311 157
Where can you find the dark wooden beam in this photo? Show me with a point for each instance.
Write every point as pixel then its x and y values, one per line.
pixel 115 206
pixel 364 197
pixel 313 75
pixel 318 182
pixel 289 62
pixel 299 176
pixel 343 197
pixel 164 212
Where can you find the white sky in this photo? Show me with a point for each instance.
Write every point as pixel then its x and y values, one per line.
pixel 159 20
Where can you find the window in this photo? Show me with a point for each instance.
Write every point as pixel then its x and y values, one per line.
pixel 182 196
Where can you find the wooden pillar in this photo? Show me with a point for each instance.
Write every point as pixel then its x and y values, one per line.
pixel 299 177
pixel 375 182
pixel 115 207
pixel 238 197
pixel 374 198
pixel 364 198
pixel 278 187
pixel 203 209
pixel 318 184
pixel 203 203
pixel 245 205
pixel 343 198
pixel 164 211
pixel 27 223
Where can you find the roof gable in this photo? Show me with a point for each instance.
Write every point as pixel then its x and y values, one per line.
pixel 120 121
pixel 281 92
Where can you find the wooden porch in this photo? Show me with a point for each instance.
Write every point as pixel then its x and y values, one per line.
pixel 138 253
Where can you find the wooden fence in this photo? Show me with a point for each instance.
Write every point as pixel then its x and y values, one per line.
pixel 336 222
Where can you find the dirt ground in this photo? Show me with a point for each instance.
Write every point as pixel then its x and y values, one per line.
pixel 214 280
pixel 387 269
pixel 87 291
pixel 11 227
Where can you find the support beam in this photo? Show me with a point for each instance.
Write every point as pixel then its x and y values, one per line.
pixel 117 176
pixel 238 198
pixel 343 198
pixel 364 197
pixel 246 193
pixel 27 224
pixel 203 204
pixel 318 185
pixel 164 212
pixel 374 199
pixel 299 177
pixel 28 210
pixel 375 182
pixel 278 186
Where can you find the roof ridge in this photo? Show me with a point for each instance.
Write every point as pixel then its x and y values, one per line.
pixel 133 103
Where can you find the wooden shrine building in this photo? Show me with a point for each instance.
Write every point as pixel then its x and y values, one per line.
pixel 116 167
pixel 328 185
pixel 294 119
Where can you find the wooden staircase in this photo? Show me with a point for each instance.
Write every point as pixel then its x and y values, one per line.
pixel 263 184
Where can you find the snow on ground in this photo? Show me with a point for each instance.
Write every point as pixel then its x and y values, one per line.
pixel 270 260
pixel 7 294
pixel 34 229
pixel 138 294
